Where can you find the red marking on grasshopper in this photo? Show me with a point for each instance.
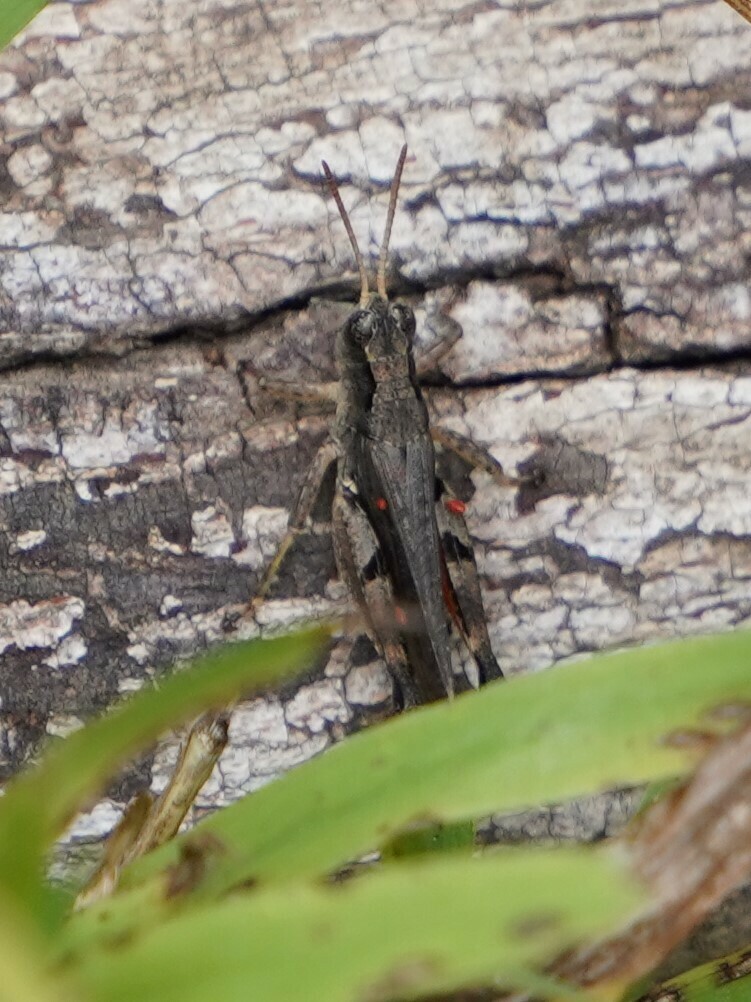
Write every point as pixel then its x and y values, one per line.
pixel 449 595
pixel 455 506
pixel 400 615
pixel 381 504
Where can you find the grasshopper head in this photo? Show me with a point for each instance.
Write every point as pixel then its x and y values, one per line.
pixel 381 330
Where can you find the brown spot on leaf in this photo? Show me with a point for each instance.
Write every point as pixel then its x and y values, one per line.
pixel 321 932
pixel 121 938
pixel 736 711
pixel 405 978
pixel 248 884
pixel 690 739
pixel 190 869
pixel 536 925
pixel 734 970
pixel 663 995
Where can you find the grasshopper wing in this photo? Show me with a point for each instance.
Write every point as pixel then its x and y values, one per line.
pixel 361 566
pixel 398 488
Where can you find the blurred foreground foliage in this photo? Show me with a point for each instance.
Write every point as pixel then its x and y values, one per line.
pixel 245 905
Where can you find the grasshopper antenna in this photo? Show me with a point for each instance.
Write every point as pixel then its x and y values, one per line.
pixel 333 188
pixel 382 257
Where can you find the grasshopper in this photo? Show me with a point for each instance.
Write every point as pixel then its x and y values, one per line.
pixel 401 543
pixel 400 539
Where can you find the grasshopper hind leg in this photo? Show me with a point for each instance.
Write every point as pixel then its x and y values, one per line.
pixel 311 488
pixel 463 593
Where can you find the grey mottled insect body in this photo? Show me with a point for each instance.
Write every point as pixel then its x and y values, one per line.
pixel 400 539
pixel 387 468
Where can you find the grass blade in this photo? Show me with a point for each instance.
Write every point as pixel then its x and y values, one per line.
pixel 406 929
pixel 15 15
pixel 610 721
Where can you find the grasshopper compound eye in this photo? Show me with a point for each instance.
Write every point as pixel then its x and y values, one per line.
pixel 405 318
pixel 361 327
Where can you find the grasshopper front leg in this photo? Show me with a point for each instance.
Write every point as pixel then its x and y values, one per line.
pixel 324 394
pixel 311 488
pixel 477 457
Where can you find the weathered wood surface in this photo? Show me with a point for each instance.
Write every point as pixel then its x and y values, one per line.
pixel 577 200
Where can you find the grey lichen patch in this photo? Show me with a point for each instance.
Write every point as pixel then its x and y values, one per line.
pixel 61 725
pixel 262 530
pixel 260 720
pixel 273 616
pixel 70 651
pixel 40 626
pixel 509 330
pixel 368 685
pixel 28 540
pixel 318 706
pixel 212 532
pixel 590 818
pixel 102 816
pixel 95 440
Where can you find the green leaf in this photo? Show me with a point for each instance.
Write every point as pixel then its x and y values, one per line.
pixel 408 928
pixel 610 721
pixel 14 15
pixel 78 767
pixel 431 838
pixel 38 804
pixel 724 980
pixel 23 960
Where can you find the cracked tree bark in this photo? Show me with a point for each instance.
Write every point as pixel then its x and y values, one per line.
pixel 577 201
